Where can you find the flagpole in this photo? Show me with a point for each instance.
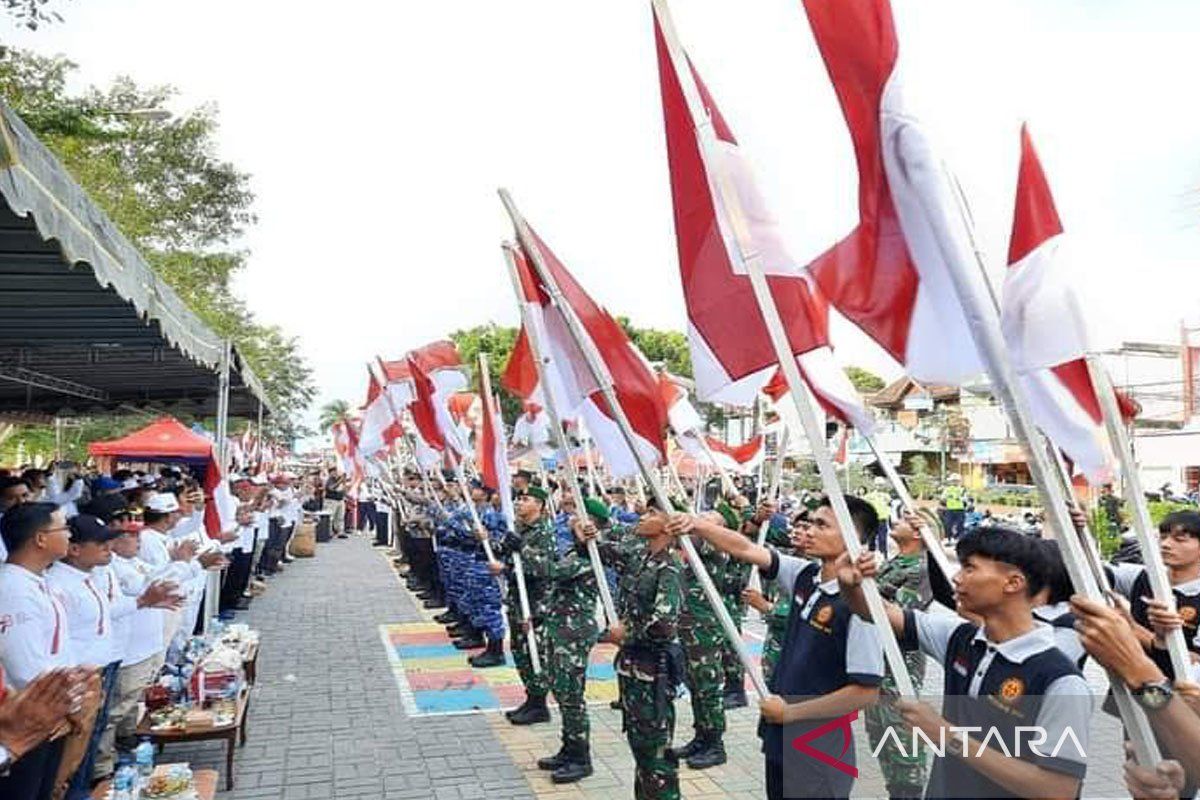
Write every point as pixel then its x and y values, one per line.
pixel 777 478
pixel 541 360
pixel 726 481
pixel 1147 537
pixel 600 374
pixel 783 353
pixel 983 320
pixel 932 544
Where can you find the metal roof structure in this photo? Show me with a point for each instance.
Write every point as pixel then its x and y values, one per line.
pixel 86 326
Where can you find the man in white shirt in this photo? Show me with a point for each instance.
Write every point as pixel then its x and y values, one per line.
pixel 240 551
pixel 140 634
pixel 33 626
pixel 190 527
pixel 93 602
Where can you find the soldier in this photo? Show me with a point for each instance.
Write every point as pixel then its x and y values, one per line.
pixel 703 642
pixel 571 632
pixel 486 601
pixel 778 607
pixel 738 515
pixel 622 550
pixel 649 664
pixel 903 580
pixel 534 541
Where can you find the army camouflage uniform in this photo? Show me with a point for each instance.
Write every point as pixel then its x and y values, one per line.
pixel 535 544
pixel 732 581
pixel 704 643
pixel 902 580
pixel 648 672
pixel 571 632
pixel 483 592
pixel 777 623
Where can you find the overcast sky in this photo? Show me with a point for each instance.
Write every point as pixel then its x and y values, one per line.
pixel 377 133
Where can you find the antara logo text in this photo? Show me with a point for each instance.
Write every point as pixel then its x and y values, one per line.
pixel 1027 740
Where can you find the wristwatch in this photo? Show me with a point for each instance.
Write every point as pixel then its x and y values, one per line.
pixel 1153 695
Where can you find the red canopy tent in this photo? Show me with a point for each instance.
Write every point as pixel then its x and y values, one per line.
pixel 165 440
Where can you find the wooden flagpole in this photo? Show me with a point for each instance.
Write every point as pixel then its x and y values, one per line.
pixel 600 374
pixel 542 360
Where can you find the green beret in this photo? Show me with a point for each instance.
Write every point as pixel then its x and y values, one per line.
pixel 596 509
pixel 538 492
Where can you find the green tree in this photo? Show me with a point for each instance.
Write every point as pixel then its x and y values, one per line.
pixel 668 348
pixel 865 381
pixel 332 412
pixel 156 174
pixel 497 341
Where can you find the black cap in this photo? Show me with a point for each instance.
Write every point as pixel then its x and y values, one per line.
pixel 524 473
pixel 90 528
pixel 106 507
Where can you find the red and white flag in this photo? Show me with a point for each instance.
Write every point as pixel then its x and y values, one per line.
pixel 634 383
pixel 1044 331
pixel 345 444
pixel 439 360
pixel 492 453
pixel 379 424
pixel 424 408
pixel 892 274
pixel 680 411
pixel 742 459
pixel 721 220
pixel 220 506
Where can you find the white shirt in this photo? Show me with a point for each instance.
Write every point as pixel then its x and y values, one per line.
pixel 89 598
pixel 65 499
pixel 3 549
pixel 34 632
pixel 140 633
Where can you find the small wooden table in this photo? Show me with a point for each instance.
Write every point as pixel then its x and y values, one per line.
pixel 228 733
pixel 250 664
pixel 205 781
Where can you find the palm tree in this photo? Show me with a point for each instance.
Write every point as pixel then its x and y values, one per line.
pixel 331 412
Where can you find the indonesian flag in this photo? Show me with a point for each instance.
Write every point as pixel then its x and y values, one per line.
pixel 345 444
pixel 220 506
pixel 680 412
pixel 891 275
pixel 634 383
pixel 742 459
pixel 439 360
pixel 721 220
pixel 424 408
pixel 1044 332
pixel 379 424
pixel 492 454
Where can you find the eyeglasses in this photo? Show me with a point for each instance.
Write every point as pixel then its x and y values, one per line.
pixel 56 530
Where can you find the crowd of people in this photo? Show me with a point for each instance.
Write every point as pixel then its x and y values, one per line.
pixel 101 576
pixel 1009 634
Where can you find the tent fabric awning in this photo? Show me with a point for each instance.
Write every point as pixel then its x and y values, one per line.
pixel 85 323
pixel 165 439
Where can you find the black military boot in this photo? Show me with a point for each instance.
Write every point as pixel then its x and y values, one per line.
pixel 735 697
pixel 492 657
pixel 688 750
pixel 578 765
pixel 551 763
pixel 447 617
pixel 434 601
pixel 512 712
pixel 468 637
pixel 711 754
pixel 535 711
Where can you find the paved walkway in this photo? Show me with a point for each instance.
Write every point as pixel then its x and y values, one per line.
pixel 326 719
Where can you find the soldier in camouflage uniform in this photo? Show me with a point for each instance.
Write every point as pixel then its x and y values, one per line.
pixel 703 642
pixel 534 541
pixel 571 632
pixel 903 580
pixel 773 605
pixel 649 664
pixel 731 583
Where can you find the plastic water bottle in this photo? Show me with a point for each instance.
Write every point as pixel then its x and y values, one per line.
pixel 144 756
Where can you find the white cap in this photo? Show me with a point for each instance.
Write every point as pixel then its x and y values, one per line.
pixel 162 502
pixel 148 480
pixel 130 483
pixel 259 480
